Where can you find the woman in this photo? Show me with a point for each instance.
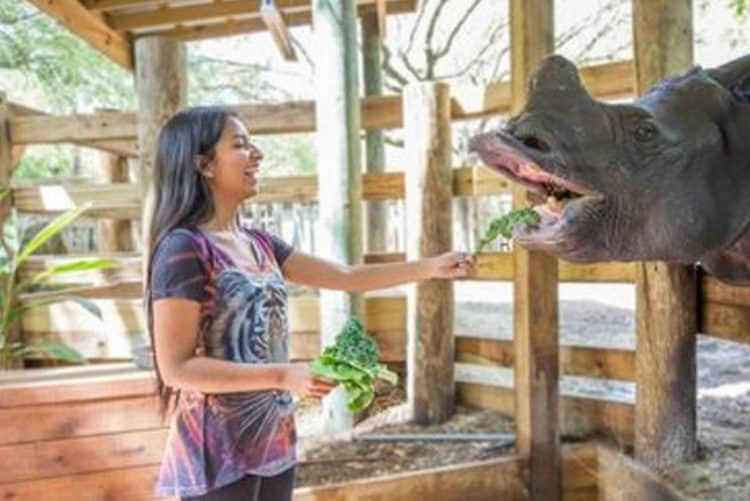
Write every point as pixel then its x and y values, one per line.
pixel 217 310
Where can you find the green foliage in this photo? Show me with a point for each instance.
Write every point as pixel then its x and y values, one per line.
pixel 17 297
pixel 740 7
pixel 503 226
pixel 353 361
pixel 69 74
pixel 44 162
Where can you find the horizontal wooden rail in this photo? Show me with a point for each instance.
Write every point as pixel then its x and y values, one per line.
pixel 127 147
pixel 122 200
pixel 606 81
pixel 580 416
pixel 604 363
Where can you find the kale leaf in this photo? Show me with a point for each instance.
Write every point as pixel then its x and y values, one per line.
pixel 353 361
pixel 503 226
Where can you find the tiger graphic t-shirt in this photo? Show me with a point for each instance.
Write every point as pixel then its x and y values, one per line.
pixel 215 439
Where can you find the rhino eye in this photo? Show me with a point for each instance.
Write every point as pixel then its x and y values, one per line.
pixel 645 132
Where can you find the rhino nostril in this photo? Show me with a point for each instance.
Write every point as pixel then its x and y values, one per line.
pixel 535 143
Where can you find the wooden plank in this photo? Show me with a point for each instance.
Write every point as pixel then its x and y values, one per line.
pixel 579 416
pixel 99 5
pixel 430 345
pixel 116 200
pixel 605 363
pixel 535 313
pixel 290 117
pixel 90 27
pixel 126 148
pixel 274 21
pixel 726 321
pixel 127 483
pixel 486 480
pixel 372 74
pixel 73 456
pixel 622 479
pixel 666 305
pixel 120 384
pixel 251 23
pixel 113 234
pixel 75 419
pixel 150 18
pixel 715 291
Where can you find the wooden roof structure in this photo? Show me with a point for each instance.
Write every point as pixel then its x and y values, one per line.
pixel 110 26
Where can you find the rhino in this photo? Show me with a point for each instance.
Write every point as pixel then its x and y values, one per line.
pixel 663 178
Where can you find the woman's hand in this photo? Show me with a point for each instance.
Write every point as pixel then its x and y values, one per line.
pixel 300 380
pixel 450 265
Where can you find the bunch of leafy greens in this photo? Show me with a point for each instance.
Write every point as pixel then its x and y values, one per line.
pixel 353 362
pixel 503 226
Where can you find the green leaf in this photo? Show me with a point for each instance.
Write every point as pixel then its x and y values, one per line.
pixel 55 350
pixel 69 267
pixel 18 311
pixel 53 228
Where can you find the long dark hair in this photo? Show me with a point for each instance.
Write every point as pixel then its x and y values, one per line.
pixel 182 195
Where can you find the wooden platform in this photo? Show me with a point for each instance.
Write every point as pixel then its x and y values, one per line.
pixel 92 433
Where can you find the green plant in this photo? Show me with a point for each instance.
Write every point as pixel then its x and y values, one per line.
pixel 353 361
pixel 503 226
pixel 17 296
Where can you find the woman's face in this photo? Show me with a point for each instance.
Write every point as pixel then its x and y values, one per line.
pixel 233 172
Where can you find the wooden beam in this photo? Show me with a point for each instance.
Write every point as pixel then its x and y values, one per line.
pixel 372 71
pixel 161 87
pixel 430 387
pixel 535 309
pixel 151 18
pixel 500 478
pixel 381 9
pixel 604 363
pixel 126 148
pixel 580 416
pixel 116 200
pixel 113 234
pixel 98 5
pixel 292 117
pixel 273 19
pixel 90 27
pixel 666 306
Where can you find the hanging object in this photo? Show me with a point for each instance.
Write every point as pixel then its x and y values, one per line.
pixel 274 21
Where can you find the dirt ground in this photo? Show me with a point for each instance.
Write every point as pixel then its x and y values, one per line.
pixel 721 474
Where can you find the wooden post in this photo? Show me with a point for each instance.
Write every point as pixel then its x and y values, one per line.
pixel 337 121
pixel 428 193
pixel 161 84
pixel 536 343
pixel 666 313
pixel 113 235
pixel 377 215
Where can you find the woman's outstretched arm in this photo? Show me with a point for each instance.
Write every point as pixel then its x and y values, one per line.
pixel 305 269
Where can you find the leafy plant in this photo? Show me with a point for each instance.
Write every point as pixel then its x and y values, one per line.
pixel 503 226
pixel 17 297
pixel 353 361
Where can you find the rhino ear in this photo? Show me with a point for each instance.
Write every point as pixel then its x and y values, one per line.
pixel 734 75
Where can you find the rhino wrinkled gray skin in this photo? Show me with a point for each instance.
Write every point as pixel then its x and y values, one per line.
pixel 666 177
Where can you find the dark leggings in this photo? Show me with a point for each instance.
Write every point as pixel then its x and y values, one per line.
pixel 253 488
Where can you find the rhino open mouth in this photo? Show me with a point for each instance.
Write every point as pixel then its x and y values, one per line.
pixel 523 160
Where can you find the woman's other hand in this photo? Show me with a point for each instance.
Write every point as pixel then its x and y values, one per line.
pixel 450 265
pixel 300 380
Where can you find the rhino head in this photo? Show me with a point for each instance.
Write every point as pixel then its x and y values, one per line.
pixel 665 177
